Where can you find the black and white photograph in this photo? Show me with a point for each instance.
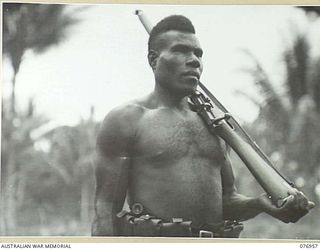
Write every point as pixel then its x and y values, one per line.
pixel 160 121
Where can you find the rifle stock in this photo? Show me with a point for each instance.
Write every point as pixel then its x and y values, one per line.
pixel 267 177
pixel 222 124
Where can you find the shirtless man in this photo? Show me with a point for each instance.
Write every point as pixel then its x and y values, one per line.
pixel 156 152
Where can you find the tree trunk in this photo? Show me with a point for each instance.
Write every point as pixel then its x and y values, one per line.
pixel 85 199
pixel 13 96
pixel 9 193
pixel 9 205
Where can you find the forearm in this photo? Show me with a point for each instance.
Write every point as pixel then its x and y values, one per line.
pixel 105 221
pixel 110 195
pixel 102 227
pixel 241 208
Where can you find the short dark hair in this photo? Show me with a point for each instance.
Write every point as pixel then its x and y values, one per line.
pixel 174 22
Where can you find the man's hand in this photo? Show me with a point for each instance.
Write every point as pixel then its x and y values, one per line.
pixel 295 206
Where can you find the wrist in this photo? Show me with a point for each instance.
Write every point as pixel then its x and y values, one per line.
pixel 258 204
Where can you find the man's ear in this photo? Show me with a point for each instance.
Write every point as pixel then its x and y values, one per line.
pixel 153 58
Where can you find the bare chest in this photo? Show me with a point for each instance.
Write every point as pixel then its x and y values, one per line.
pixel 167 135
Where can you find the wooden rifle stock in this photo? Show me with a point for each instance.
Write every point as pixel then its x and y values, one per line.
pixel 221 123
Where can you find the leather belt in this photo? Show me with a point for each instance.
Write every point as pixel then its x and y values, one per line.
pixel 138 223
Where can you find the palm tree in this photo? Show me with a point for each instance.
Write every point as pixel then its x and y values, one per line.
pixel 32 26
pixel 311 9
pixel 17 146
pixel 288 123
pixel 25 26
pixel 72 155
pixel 287 119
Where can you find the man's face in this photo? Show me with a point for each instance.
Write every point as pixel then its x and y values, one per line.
pixel 179 65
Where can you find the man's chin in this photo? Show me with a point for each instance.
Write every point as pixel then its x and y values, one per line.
pixel 192 87
pixel 188 91
pixel 185 88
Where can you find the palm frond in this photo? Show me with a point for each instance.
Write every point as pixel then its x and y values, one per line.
pixel 48 26
pixel 272 99
pixel 314 82
pixel 311 9
pixel 251 98
pixel 33 26
pixel 274 115
pixel 296 61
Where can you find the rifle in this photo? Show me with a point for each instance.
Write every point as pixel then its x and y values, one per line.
pixel 220 122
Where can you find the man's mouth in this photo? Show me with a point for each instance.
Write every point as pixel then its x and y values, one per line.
pixel 192 74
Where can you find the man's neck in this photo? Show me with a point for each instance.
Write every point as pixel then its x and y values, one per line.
pixel 165 98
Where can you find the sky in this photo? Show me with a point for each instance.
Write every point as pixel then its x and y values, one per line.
pixel 103 61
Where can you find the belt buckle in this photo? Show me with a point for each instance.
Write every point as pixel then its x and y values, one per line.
pixel 205 234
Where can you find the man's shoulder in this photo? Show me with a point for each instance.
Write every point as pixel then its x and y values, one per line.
pixel 119 127
pixel 124 118
pixel 129 111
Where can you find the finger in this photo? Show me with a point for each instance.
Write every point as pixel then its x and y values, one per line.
pixel 288 202
pixel 305 203
pixel 310 205
pixel 293 191
pixel 299 215
pixel 294 215
pixel 301 201
pixel 286 219
pixel 283 212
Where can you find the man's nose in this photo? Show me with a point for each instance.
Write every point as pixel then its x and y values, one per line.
pixel 194 61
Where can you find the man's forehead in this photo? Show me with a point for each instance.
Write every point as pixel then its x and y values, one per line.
pixel 172 37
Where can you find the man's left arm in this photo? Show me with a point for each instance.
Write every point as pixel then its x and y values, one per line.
pixel 236 206
pixel 239 207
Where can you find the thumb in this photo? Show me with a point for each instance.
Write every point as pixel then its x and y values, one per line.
pixel 287 201
pixel 310 205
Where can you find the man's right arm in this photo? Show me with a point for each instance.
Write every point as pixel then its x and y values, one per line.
pixel 240 207
pixel 114 143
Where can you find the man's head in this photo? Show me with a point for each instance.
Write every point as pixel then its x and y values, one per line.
pixel 174 22
pixel 175 55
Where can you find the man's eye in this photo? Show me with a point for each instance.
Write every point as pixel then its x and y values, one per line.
pixel 181 50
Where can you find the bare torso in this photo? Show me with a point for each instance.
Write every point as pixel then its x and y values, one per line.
pixel 176 164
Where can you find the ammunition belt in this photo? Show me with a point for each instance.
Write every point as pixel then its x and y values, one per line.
pixel 146 225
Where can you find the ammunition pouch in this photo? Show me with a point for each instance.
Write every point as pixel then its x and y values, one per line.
pixel 232 229
pixel 149 226
pixel 144 226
